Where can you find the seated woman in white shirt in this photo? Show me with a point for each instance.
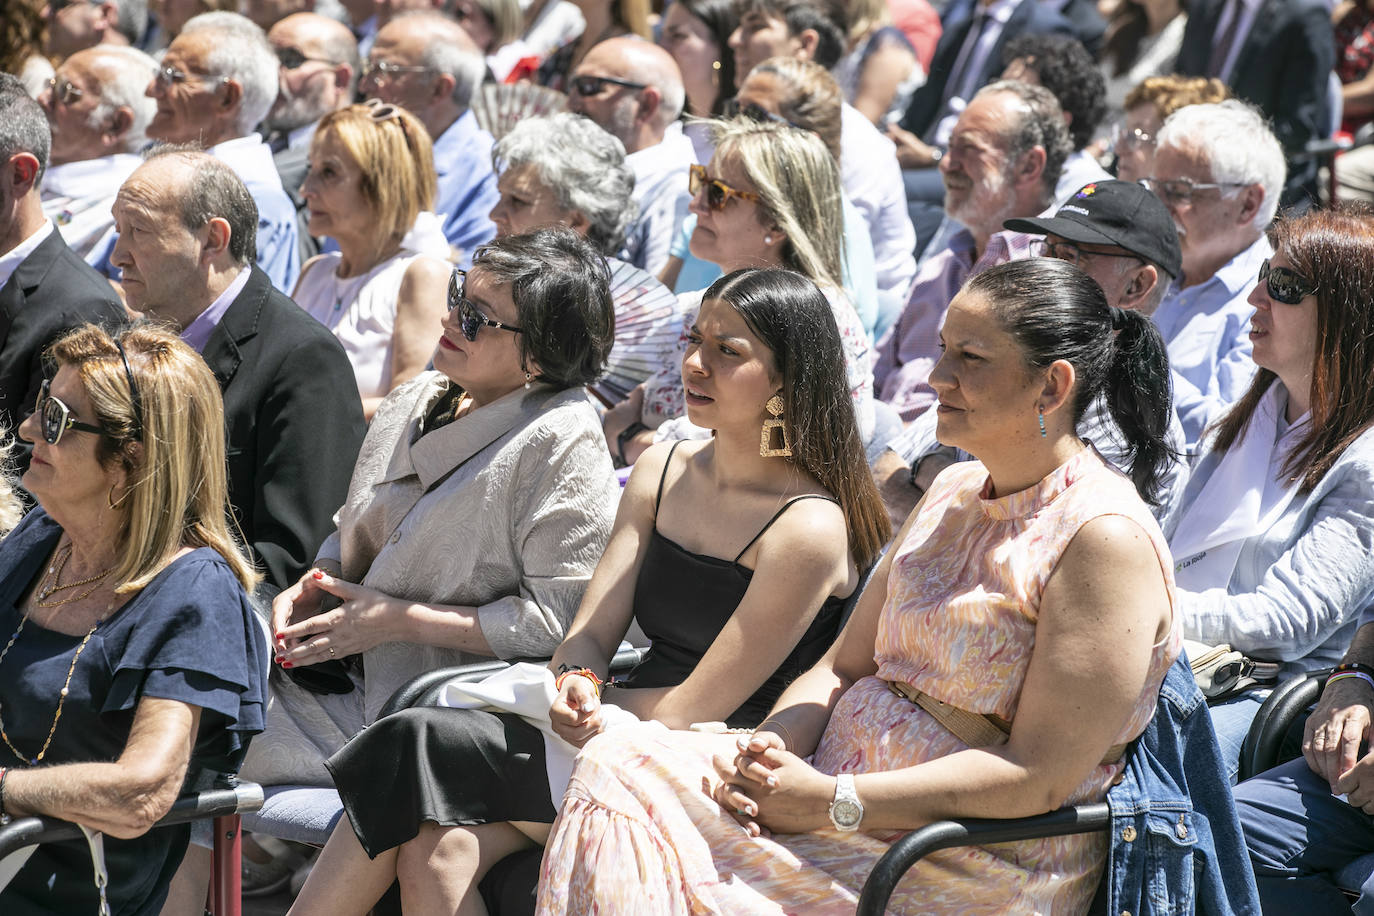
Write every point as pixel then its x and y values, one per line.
pixel 1273 539
pixel 370 187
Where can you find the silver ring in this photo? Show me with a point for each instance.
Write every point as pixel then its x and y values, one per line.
pixel 331 651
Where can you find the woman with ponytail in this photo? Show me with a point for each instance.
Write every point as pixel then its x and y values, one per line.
pixel 1273 537
pixel 1030 590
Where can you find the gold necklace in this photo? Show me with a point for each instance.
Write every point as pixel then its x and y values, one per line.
pixel 50 584
pixel 61 697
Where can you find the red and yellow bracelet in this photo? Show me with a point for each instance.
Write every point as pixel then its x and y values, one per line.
pixel 566 671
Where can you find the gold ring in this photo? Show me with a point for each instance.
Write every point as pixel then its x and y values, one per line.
pixel 331 651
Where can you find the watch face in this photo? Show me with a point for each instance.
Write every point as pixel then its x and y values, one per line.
pixel 846 813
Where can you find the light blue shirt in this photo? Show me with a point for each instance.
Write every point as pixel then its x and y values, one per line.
pixel 197 333
pixel 1207 330
pixel 278 251
pixel 467 185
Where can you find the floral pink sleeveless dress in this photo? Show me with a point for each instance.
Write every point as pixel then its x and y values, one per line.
pixel 637 834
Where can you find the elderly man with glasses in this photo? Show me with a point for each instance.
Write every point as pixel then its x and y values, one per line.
pixel 218 80
pixel 633 91
pixel 1220 171
pixel 425 63
pixel 99 118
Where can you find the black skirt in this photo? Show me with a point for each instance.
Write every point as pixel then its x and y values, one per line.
pixel 455 767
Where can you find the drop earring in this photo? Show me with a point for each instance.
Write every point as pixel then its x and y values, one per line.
pixel 766 450
pixel 1040 411
pixel 529 378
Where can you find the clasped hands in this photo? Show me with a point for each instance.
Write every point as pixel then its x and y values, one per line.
pixel 766 787
pixel 576 713
pixel 306 632
pixel 1334 738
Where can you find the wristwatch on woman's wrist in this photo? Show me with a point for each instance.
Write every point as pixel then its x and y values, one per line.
pixel 846 811
pixel 633 429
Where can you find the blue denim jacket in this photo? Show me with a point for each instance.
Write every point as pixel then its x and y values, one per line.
pixel 1176 841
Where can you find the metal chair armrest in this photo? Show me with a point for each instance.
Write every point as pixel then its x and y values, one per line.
pixel 192 806
pixel 1285 705
pixel 917 844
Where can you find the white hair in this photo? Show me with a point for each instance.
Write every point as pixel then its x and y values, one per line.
pixel 465 65
pixel 1237 143
pixel 241 53
pixel 132 71
pixel 132 19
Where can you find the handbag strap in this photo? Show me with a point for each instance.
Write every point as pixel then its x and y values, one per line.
pixel 973 728
pixel 96 840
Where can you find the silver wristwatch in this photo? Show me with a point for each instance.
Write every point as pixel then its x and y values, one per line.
pixel 846 811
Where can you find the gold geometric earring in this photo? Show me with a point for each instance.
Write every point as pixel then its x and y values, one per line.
pixel 766 450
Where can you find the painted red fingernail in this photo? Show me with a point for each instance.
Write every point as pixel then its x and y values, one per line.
pixel 281 636
pixel 279 659
pixel 286 664
pixel 318 574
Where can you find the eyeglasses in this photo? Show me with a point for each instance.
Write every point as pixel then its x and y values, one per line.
pixel 734 108
pixel 55 418
pixel 1180 191
pixel 470 320
pixel 294 58
pixel 592 85
pixel 1068 251
pixel 1130 138
pixel 718 193
pixel 1283 284
pixel 167 77
pixel 63 91
pixel 380 112
pixel 383 70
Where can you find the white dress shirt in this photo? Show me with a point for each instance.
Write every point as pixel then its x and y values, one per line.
pixel 77 196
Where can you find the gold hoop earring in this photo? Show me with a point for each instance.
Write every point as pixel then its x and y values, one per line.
pixel 766 450
pixel 111 501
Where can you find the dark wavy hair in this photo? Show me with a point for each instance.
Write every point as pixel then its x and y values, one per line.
pixel 561 288
pixel 1335 249
pixel 1068 71
pixel 826 17
pixel 793 319
pixel 721 17
pixel 1055 311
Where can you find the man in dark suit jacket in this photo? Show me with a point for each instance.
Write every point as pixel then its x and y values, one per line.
pixel 45 289
pixel 1283 67
pixel 292 413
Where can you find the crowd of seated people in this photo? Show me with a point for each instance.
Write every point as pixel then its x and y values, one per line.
pixel 1050 316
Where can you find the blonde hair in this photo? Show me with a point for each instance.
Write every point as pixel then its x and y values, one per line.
pixel 1170 93
pixel 866 16
pixel 396 158
pixel 798 183
pixel 172 447
pixel 507 21
pixel 633 15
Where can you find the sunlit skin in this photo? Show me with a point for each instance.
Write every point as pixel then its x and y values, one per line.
pixel 74 137
pixel 759 37
pixel 1284 340
pixel 1217 223
pixel 195 110
pixel 490 366
pixel 732 238
pixel 526 204
pixel 728 374
pixel 692 46
pixel 333 195
pixel 1135 158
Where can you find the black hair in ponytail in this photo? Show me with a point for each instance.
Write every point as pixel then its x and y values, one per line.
pixel 1055 311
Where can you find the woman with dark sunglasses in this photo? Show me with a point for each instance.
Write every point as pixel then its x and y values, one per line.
pixel 370 188
pixel 715 543
pixel 134 661
pixel 481 501
pixel 1271 538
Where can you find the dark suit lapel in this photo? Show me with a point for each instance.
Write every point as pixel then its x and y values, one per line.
pixel 1015 25
pixel 11 301
pixel 1267 22
pixel 238 324
pixel 26 278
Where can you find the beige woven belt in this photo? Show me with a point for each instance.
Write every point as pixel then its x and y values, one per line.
pixel 973 728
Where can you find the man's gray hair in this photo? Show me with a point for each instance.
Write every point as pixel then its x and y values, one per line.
pixel 467 67
pixel 1041 123
pixel 23 125
pixel 582 165
pixel 132 19
pixel 132 71
pixel 1236 141
pixel 241 52
pixel 213 190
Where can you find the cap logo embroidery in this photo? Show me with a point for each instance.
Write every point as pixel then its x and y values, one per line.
pixel 1072 209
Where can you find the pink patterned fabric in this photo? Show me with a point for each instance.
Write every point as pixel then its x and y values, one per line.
pixel 637 833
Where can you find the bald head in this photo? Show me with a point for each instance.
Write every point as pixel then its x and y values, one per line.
pixel 319 69
pixel 635 116
pixel 446 67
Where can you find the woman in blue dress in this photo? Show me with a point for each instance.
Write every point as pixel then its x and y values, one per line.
pixel 131 656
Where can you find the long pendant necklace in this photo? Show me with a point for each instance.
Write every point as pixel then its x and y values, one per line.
pixel 61 697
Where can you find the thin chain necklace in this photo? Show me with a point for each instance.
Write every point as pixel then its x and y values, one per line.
pixel 61 697
pixel 50 584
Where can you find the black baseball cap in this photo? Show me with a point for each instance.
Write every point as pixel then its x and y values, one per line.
pixel 1117 213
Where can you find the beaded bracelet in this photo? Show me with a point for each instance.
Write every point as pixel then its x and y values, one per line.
pixel 1338 675
pixel 567 671
pixel 1354 666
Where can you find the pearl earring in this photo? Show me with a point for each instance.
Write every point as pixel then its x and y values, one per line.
pixel 767 240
